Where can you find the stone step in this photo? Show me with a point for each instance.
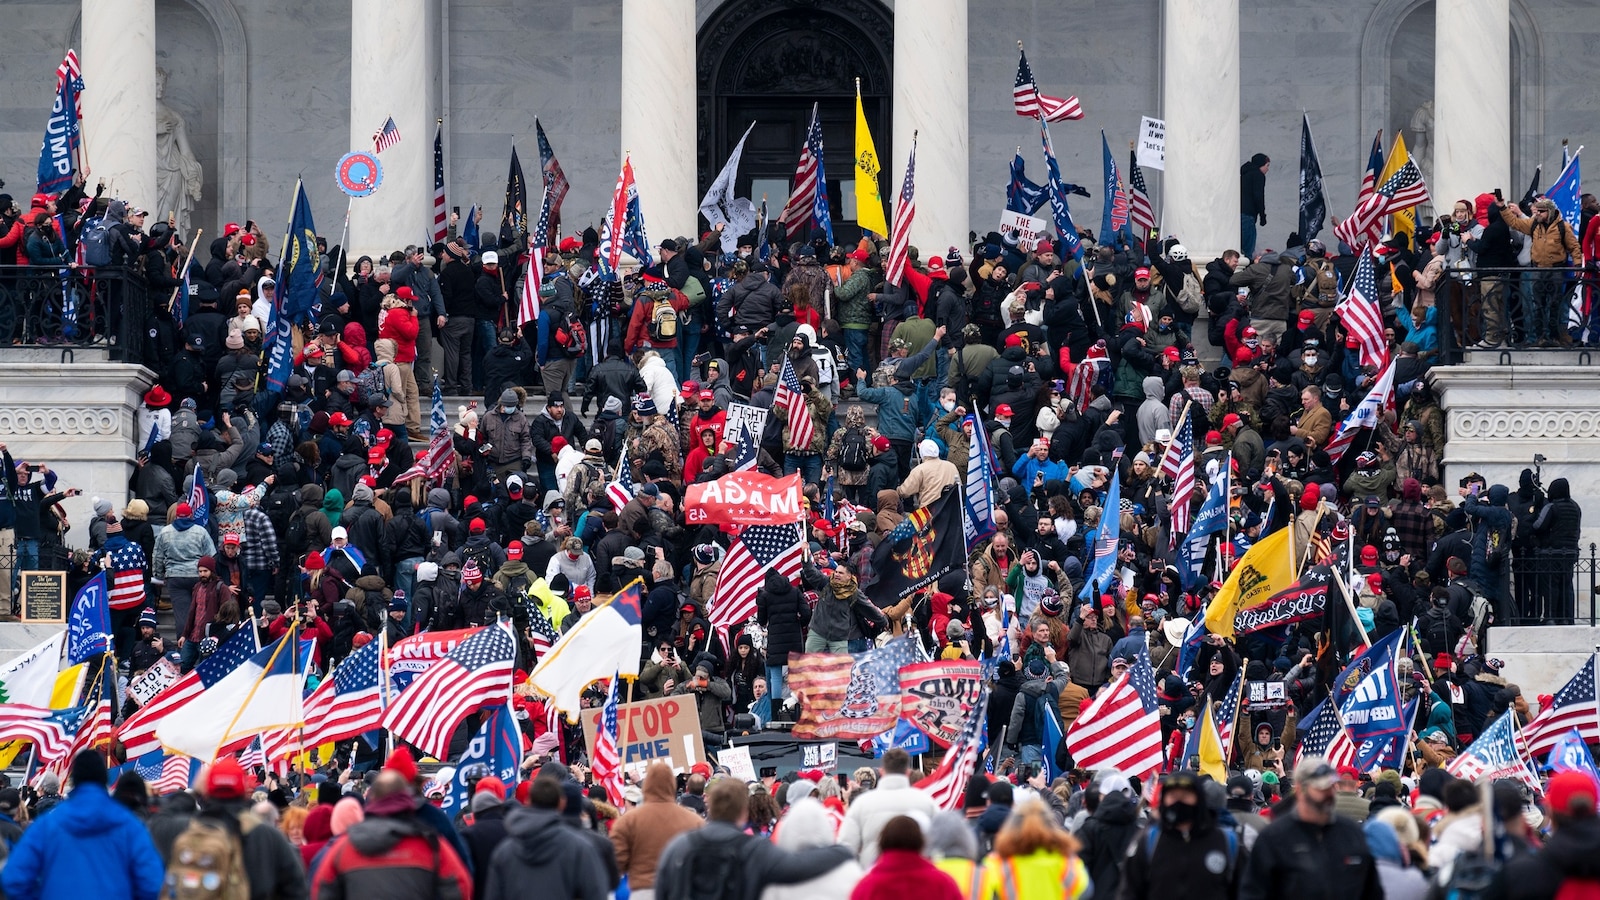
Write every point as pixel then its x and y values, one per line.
pixel 1506 356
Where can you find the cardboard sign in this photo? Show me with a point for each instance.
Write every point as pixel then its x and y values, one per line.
pixel 1029 229
pixel 154 680
pixel 739 413
pixel 1151 151
pixel 738 762
pixel 44 596
pixel 666 728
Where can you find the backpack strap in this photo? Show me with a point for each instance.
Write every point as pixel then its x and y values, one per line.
pixel 1152 835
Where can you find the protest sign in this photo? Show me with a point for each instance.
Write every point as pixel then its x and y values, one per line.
pixel 666 728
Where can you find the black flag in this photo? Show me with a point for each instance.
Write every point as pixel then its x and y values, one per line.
pixel 514 220
pixel 1313 205
pixel 926 545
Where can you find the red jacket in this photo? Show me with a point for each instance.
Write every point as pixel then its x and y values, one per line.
pixel 904 873
pixel 639 324
pixel 389 855
pixel 317 629
pixel 399 324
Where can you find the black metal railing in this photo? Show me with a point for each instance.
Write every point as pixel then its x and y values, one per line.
pixel 53 557
pixel 1514 309
pixel 53 307
pixel 1547 587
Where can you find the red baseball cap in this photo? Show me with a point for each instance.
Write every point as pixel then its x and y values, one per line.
pixel 1565 787
pixel 880 443
pixel 1349 773
pixel 1014 339
pixel 1172 353
pixel 340 419
pixel 1213 437
pixel 859 254
pixel 707 395
pixel 1307 317
pixel 492 785
pixel 1141 272
pixel 225 780
pixel 514 550
pixel 1003 409
pixel 1230 420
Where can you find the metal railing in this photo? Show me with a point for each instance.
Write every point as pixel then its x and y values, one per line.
pixel 1546 587
pixel 1515 309
pixel 50 307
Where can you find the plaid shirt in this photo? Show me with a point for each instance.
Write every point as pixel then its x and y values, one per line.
pixel 1414 526
pixel 259 543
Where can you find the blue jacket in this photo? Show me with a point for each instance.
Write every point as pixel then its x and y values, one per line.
pixel 91 846
pixel 895 420
pixel 1128 647
pixel 1027 466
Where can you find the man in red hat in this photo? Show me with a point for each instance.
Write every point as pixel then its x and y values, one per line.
pixel 271 864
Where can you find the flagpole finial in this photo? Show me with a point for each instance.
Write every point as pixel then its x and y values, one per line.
pixel 1019 45
pixel 439 121
pixel 1019 148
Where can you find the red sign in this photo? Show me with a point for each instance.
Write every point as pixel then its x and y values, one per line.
pixel 744 498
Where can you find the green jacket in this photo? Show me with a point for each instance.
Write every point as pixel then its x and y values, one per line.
pixel 855 310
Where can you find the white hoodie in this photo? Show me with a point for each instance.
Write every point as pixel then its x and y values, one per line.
pixel 807 824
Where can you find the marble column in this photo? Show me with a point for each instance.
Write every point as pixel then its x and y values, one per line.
pixel 659 113
pixel 930 99
pixel 1200 100
pixel 119 98
pixel 1471 101
pixel 391 75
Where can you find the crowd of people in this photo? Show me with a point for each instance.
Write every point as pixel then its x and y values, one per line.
pixel 319 508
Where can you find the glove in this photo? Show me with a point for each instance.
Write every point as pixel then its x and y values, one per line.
pixel 1263 220
pixel 1080 191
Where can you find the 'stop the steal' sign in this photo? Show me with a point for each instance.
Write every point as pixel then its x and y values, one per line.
pixel 1151 151
pixel 666 728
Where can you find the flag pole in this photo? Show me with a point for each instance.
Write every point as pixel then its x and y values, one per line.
pixel 1233 721
pixel 287 639
pixel 184 272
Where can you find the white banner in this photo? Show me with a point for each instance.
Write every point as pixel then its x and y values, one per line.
pixel 741 412
pixel 1029 229
pixel 1152 149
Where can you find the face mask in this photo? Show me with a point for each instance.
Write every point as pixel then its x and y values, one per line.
pixel 1175 814
pixel 508 410
pixel 948 405
pixel 1163 328
pixel 1311 359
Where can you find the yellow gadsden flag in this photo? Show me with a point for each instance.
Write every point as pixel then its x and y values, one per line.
pixel 1213 757
pixel 869 205
pixel 1266 569
pixel 1405 220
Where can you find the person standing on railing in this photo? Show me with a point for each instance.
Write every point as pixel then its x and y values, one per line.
pixel 1557 528
pixel 1553 245
pixel 1493 249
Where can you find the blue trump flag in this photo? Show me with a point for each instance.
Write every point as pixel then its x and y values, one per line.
pixel 497 747
pixel 89 622
pixel 1567 190
pixel 1571 754
pixel 1071 245
pixel 200 499
pixel 1114 213
pixel 1212 518
pixel 1106 538
pixel 300 267
pixel 1372 710
pixel 903 736
pixel 1022 195
pixel 469 229
pixel 62 135
pixel 978 493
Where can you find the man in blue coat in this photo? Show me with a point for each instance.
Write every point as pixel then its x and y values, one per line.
pixel 90 846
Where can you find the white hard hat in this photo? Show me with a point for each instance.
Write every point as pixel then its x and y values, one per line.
pixel 1178 253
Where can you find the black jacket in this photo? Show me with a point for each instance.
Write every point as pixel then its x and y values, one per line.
pixel 753 302
pixel 543 429
pixel 539 849
pixel 762 863
pixel 784 613
pixel 1559 521
pixel 1180 866
pixel 1293 858
pixel 614 378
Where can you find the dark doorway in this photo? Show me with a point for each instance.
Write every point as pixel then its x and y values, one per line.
pixel 769 61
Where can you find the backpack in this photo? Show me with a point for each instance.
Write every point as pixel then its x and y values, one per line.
pixel 96 239
pixel 570 335
pixel 294 536
pixel 1189 295
pixel 710 870
pixel 663 320
pixel 371 383
pixel 694 291
pixel 206 863
pixel 1436 628
pixel 280 505
pixel 853 455
pixel 1471 876
pixel 1480 614
pixel 480 554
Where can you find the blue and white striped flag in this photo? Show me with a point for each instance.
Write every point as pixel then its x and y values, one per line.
pixel 978 492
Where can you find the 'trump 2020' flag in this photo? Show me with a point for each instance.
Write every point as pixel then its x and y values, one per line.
pixel 1103 557
pixel 58 156
pixel 497 746
pixel 1495 754
pixel 89 623
pixel 1071 244
pixel 604 643
pixel 263 693
pixel 978 492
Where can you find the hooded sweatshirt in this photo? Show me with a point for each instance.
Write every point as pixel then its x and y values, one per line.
pixel 808 824
pixel 545 852
pixel 643 832
pixel 1153 414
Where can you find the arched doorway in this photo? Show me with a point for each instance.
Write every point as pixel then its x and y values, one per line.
pixel 768 62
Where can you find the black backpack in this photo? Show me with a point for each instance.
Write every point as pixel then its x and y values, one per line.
pixel 711 869
pixel 853 454
pixel 294 534
pixel 280 505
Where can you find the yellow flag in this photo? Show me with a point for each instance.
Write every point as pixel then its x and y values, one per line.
pixel 1213 760
pixel 1405 220
pixel 1266 569
pixel 869 205
pixel 63 695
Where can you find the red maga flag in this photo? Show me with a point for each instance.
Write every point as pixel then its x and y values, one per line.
pixel 744 498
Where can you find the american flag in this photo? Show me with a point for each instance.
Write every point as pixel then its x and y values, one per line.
pixel 138 731
pixel 904 212
pixel 1121 728
pixel 177 773
pixel 1403 190
pixel 1139 208
pixel 435 462
pixel 947 784
pixel 1574 706
pixel 754 551
pixel 386 137
pixel 808 203
pixel 1369 178
pixel 1079 385
pixel 609 256
pixel 52 731
pixel 71 68
pixel 127 576
pixel 606 763
pixel 1360 312
pixel 1029 103
pixel 544 631
pixel 348 704
pixel 792 397
pixel 477 673
pixel 1226 713
pixel 533 277
pixel 620 491
pixel 253 756
pixel 749 447
pixel 94 728
pixel 1178 464
pixel 200 499
pixel 555 182
pixel 1366 414
pixel 1325 736
pixel 441 223
pixel 1499 752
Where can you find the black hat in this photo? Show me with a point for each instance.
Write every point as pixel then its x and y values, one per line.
pixel 88 767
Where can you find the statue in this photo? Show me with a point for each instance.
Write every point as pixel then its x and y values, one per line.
pixel 1421 132
pixel 178 174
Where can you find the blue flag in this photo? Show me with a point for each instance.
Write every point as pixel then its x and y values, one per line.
pixel 1190 649
pixel 1022 195
pixel 89 622
pixel 469 229
pixel 904 736
pixel 1071 245
pixel 1571 754
pixel 1371 710
pixel 279 347
pixel 496 747
pixel 1566 190
pixel 978 493
pixel 1212 518
pixel 58 154
pixel 300 267
pixel 1107 536
pixel 1052 742
pixel 200 499
pixel 1114 213
pixel 1364 662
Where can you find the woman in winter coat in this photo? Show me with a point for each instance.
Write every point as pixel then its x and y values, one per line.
pixel 398 322
pixel 784 613
pixel 901 871
pixel 807 824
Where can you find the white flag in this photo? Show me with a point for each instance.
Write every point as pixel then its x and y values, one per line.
pixel 737 214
